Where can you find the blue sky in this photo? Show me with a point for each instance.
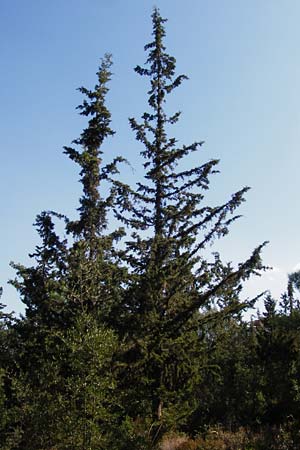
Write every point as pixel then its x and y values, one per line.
pixel 242 98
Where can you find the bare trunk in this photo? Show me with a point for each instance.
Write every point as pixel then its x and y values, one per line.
pixel 159 410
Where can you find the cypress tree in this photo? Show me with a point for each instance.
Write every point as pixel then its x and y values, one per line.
pixel 78 273
pixel 93 262
pixel 173 283
pixel 64 345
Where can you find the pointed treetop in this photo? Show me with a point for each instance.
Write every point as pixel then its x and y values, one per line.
pixel 92 209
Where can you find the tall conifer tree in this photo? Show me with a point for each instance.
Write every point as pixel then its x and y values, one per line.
pixel 171 228
pixel 93 258
pixel 79 272
pixel 64 347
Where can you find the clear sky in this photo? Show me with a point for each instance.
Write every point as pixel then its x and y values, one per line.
pixel 242 98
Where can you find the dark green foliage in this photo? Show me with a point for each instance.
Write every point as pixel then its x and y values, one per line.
pixel 227 393
pixel 251 373
pixel 80 273
pixel 94 276
pixel 171 227
pixel 288 300
pixel 294 280
pixel 93 209
pixel 10 430
pixel 61 376
pixel 41 286
pixel 65 388
pixel 279 370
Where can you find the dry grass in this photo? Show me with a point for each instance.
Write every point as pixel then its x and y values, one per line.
pixel 268 438
pixel 174 442
pixel 214 439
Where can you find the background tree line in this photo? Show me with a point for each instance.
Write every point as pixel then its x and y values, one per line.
pixel 133 333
